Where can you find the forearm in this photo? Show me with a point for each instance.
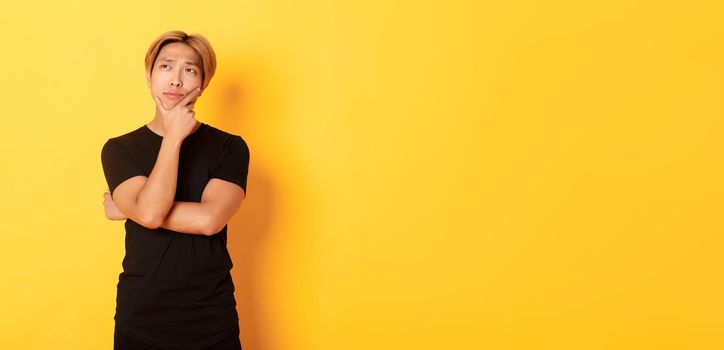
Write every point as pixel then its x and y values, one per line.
pixel 189 217
pixel 156 197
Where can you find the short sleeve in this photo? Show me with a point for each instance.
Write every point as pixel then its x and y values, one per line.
pixel 233 165
pixel 118 165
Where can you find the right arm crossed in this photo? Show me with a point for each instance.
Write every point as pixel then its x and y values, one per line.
pixel 147 200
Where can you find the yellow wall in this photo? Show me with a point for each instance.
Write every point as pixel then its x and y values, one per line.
pixel 534 175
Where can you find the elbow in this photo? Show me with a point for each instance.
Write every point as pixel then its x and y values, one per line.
pixel 211 226
pixel 151 221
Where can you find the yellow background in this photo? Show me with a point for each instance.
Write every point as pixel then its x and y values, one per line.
pixel 450 175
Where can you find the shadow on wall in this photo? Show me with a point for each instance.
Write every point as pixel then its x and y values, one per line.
pixel 249 228
pixel 246 233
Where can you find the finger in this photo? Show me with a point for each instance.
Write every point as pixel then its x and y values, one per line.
pixel 189 97
pixel 160 105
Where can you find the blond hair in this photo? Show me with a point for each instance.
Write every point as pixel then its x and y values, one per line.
pixel 195 41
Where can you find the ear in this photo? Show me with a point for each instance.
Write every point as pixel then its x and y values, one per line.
pixel 148 79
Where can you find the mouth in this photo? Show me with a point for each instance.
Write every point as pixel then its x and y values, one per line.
pixel 173 95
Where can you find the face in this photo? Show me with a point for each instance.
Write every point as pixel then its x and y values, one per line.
pixel 176 72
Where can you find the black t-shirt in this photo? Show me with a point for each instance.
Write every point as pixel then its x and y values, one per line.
pixel 176 290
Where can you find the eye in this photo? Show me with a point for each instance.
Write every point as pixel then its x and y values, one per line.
pixel 191 69
pixel 163 65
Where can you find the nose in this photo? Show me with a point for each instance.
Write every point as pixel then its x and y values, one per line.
pixel 176 80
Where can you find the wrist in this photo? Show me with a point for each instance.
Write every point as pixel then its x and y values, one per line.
pixel 172 140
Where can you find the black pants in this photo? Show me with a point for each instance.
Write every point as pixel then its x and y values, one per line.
pixel 121 341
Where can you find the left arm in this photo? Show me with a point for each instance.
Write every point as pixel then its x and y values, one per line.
pixel 219 202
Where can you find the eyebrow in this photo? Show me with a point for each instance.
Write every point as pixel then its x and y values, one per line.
pixel 164 59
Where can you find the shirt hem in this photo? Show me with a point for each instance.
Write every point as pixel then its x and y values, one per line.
pixel 172 346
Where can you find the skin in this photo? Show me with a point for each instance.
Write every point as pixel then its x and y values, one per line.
pixel 149 201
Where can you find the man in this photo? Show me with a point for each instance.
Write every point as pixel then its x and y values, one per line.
pixel 177 182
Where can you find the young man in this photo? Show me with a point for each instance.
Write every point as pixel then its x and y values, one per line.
pixel 176 182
